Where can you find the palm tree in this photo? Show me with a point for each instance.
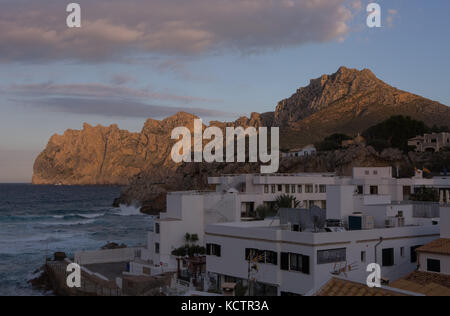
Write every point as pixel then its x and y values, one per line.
pixel 264 211
pixel 286 201
pixel 194 238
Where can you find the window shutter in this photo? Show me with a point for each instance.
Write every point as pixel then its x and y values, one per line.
pixel 305 264
pixel 219 251
pixel 388 257
pixel 285 261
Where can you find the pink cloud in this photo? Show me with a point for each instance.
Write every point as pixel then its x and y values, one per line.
pixel 117 29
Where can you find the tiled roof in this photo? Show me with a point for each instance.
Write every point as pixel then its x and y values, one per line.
pixel 339 287
pixel 439 246
pixel 430 284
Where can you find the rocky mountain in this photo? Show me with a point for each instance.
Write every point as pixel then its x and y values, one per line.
pixel 108 155
pixel 348 101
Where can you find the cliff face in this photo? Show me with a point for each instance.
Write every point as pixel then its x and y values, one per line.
pixel 108 155
pixel 348 101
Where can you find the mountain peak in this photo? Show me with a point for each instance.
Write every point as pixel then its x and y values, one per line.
pixel 324 91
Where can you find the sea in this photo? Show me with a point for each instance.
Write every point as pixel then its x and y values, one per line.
pixel 36 221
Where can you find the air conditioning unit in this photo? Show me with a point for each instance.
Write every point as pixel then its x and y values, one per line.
pixel 391 222
pixel 368 222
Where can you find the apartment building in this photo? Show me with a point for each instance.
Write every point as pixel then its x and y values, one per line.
pixel 236 198
pixel 366 221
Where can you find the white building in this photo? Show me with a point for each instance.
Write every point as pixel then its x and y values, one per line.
pixel 237 196
pixel 301 262
pixel 385 229
pixel 435 256
pixel 308 150
pixel 235 199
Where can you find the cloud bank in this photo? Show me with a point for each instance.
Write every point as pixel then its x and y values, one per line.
pixel 116 29
pixel 112 100
pixel 116 108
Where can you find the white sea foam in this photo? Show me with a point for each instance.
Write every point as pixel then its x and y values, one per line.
pixel 73 223
pixel 93 215
pixel 128 210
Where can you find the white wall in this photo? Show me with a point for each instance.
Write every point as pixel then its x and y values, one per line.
pixel 373 172
pixel 445 262
pixel 234 240
pixel 340 203
pixel 445 222
pixel 106 256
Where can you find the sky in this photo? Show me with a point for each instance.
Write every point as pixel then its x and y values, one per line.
pixel 219 59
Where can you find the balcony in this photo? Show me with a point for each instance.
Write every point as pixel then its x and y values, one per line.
pixel 376 199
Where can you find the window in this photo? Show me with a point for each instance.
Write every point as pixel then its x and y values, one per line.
pixel 388 257
pixel 262 256
pixel 213 250
pixel 434 265
pixel 363 256
pixel 309 188
pixel 156 247
pixel 248 209
pixel 375 172
pixel 360 189
pixel 272 257
pixel 287 186
pixel 146 270
pixel 331 256
pixel 157 228
pixel 414 253
pixel 250 253
pixel 299 263
pixel 402 252
pixel 295 227
pixel 406 191
pixel 323 188
pixel 373 189
pixel 299 188
pixel 293 188
pixel 294 262
pixel 266 189
pixel 280 188
pixel 367 172
pixel 273 188
pixel 324 205
pixel 284 261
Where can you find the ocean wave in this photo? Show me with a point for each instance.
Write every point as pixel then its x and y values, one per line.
pixel 73 223
pixel 128 210
pixel 23 218
pixel 71 216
